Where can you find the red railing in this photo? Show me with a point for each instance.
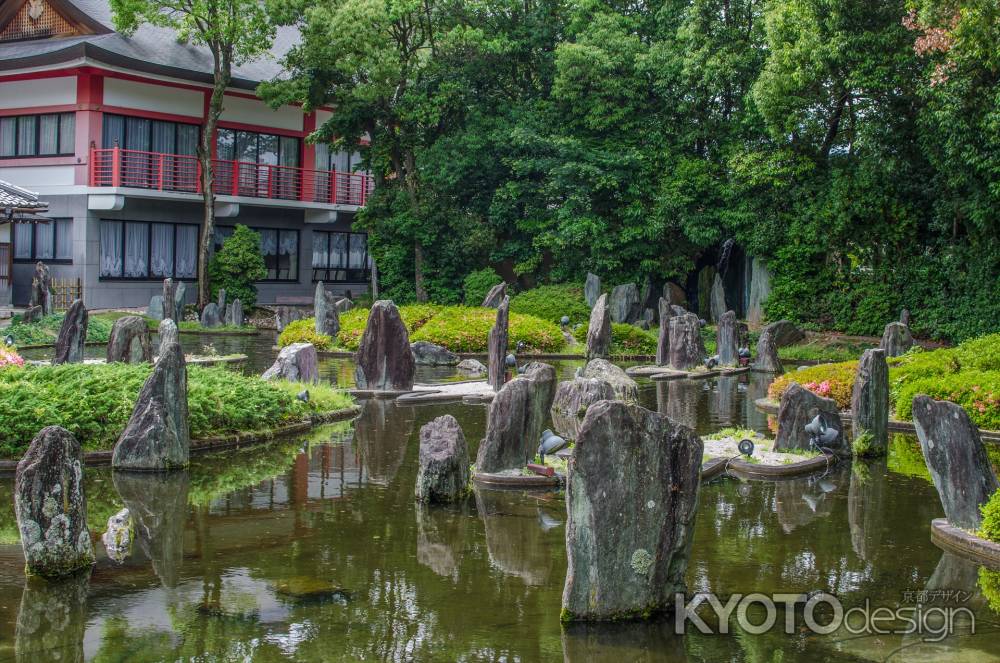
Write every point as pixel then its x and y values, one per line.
pixel 117 167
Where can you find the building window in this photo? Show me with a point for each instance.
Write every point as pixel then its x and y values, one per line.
pixel 264 165
pixel 162 154
pixel 280 249
pixel 51 242
pixel 148 251
pixel 49 135
pixel 339 257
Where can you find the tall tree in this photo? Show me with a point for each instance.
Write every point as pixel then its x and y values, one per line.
pixel 235 32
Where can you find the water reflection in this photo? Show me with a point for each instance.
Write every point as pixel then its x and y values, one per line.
pixel 516 536
pixel 52 619
pixel 866 506
pixel 158 506
pixel 380 434
pixel 642 642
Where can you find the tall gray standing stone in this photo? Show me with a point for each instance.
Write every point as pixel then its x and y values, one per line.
pixel 41 288
pixel 591 289
pixel 495 296
pixel 870 401
pixel 717 299
pixel 686 348
pixel 956 459
pixel 727 339
pixel 325 310
pixel 767 360
pixel 896 339
pixel 663 337
pixel 904 316
pixel 155 310
pixel 72 338
pixel 516 419
pixel 798 407
pixel 760 290
pixel 210 316
pixel 443 472
pixel 221 301
pixel 180 289
pixel 157 436
pixel 572 399
pixel 496 363
pixel 384 360
pixel 624 303
pixel 50 506
pixel 168 333
pixel 170 301
pixel 234 313
pixel 599 330
pixel 628 542
pixel 297 362
pixel 130 341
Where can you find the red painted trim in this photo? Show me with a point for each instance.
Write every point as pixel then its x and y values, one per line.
pixel 38 110
pixel 152 115
pixel 89 90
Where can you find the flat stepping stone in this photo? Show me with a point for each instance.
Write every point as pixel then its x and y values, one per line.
pixel 516 479
pixel 667 373
pixel 468 390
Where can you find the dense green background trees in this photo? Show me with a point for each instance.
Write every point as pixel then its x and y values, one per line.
pixel 853 145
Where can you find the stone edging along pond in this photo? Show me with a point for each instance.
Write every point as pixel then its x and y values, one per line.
pixel 952 539
pixel 478 355
pixel 231 441
pixel 767 406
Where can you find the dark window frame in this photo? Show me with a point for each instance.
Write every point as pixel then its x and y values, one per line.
pixel 149 132
pixel 349 272
pixel 298 249
pixel 149 252
pixel 34 244
pixel 38 136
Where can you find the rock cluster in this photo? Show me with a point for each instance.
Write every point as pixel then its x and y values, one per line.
pixel 516 419
pixel 384 359
pixel 443 472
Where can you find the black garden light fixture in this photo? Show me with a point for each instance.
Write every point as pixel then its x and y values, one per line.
pixel 746 447
pixel 820 435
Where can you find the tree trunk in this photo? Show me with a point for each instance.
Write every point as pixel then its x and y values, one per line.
pixel 418 271
pixel 223 74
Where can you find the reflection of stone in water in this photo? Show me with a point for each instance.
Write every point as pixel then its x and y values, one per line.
pixel 441 533
pixel 610 642
pixel 515 538
pixel 757 384
pixel 866 506
pixel 722 400
pixel 381 433
pixel 158 506
pixel 678 399
pixel 52 619
pixel 798 502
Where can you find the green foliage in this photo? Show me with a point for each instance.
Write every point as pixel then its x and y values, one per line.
pixel 466 329
pixel 626 340
pixel 978 392
pixel 906 458
pixel 94 402
pixel 304 331
pixel 353 322
pixel 989 585
pixel 828 380
pixel 237 266
pixel 990 529
pixel 552 302
pixel 478 284
pixel 45 330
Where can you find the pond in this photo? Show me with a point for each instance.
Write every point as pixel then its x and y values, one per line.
pixel 312 548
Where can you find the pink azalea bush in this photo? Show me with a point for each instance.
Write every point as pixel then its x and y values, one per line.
pixel 9 357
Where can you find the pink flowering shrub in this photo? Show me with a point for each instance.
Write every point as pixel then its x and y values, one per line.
pixel 9 357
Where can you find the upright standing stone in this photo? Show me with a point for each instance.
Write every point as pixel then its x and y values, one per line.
pixel 72 338
pixel 41 288
pixel 157 436
pixel 516 419
pixel 325 310
pixel 798 407
pixel 591 289
pixel 599 330
pixel 572 399
pixel 628 542
pixel 625 388
pixel 130 341
pixel 167 331
pixel 896 339
pixel 674 294
pixel 760 290
pixel 663 337
pixel 956 458
pixel 221 301
pixel 32 314
pixel 50 506
pixel 155 310
pixel 784 333
pixel 767 360
pixel 210 317
pixel 727 339
pixel 717 302
pixel 870 403
pixel 495 296
pixel 234 313
pixel 624 303
pixel 170 301
pixel 297 362
pixel 686 349
pixel 384 359
pixel 496 363
pixel 904 316
pixel 180 289
pixel 443 473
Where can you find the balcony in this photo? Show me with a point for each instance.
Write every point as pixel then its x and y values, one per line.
pixel 174 173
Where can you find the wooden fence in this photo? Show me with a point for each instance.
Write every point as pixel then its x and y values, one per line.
pixel 5 265
pixel 64 291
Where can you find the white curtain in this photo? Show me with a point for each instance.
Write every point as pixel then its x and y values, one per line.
pixel 187 252
pixel 136 250
pixel 321 252
pixel 269 242
pixel 64 239
pixel 8 136
pixel 111 248
pixel 48 134
pixel 67 133
pixel 44 244
pixel 22 240
pixel 162 250
pixel 338 252
pixel 358 251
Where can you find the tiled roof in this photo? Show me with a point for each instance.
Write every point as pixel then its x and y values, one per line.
pixel 14 197
pixel 149 48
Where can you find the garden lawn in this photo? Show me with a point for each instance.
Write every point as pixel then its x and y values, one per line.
pixel 44 331
pixel 95 401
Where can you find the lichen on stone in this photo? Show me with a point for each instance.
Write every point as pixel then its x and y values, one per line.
pixel 641 561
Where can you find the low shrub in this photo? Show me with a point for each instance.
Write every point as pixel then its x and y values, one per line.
pixel 304 331
pixel 828 380
pixel 352 323
pixel 237 266
pixel 625 339
pixel 552 302
pixel 990 529
pixel 9 358
pixel 466 329
pixel 95 401
pixel 46 330
pixel 978 392
pixel 478 284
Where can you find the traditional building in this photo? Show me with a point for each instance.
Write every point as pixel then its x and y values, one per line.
pixel 105 127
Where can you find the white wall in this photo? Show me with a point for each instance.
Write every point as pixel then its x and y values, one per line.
pixel 37 178
pixel 251 111
pixel 40 92
pixel 156 98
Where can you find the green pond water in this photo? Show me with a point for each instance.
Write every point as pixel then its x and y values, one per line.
pixel 312 549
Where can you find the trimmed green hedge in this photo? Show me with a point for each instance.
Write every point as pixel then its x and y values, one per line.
pixel 625 339
pixel 552 302
pixel 45 330
pixel 95 401
pixel 478 284
pixel 304 331
pixel 990 529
